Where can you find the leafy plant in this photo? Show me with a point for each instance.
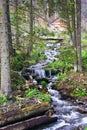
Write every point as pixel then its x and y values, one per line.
pixel 3 99
pixel 44 83
pixel 61 76
pixel 40 95
pixel 80 92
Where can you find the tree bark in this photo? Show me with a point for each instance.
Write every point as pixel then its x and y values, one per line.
pixel 5 60
pixel 79 35
pixel 31 28
pixel 16 22
pixel 74 36
pixel 9 28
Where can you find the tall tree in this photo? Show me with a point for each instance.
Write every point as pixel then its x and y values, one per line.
pixel 31 27
pixel 16 21
pixel 9 27
pixel 5 60
pixel 79 35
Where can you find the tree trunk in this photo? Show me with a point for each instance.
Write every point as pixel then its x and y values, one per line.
pixel 31 29
pixel 9 28
pixel 16 22
pixel 5 60
pixel 74 37
pixel 79 35
pixel 69 25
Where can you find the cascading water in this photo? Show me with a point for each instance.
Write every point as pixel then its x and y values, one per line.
pixel 68 116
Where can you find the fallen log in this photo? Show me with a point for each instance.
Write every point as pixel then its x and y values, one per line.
pixel 24 113
pixel 31 123
pixel 50 38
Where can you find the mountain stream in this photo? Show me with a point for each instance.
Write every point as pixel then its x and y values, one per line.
pixel 68 116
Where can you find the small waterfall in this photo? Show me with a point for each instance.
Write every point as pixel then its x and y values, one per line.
pixel 40 73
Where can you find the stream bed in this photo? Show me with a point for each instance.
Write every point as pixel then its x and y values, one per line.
pixel 68 116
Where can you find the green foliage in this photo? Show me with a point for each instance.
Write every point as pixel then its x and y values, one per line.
pixel 36 54
pixel 84 41
pixel 16 80
pixel 17 62
pixel 62 76
pixel 85 128
pixel 1 14
pixel 43 31
pixel 84 38
pixel 65 60
pixel 84 60
pixel 55 65
pixel 79 92
pixel 40 95
pixel 3 99
pixel 44 83
pixel 12 18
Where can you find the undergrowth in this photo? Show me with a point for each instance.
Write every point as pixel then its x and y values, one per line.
pixel 31 92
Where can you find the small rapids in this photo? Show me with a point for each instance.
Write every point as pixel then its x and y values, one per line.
pixel 68 116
